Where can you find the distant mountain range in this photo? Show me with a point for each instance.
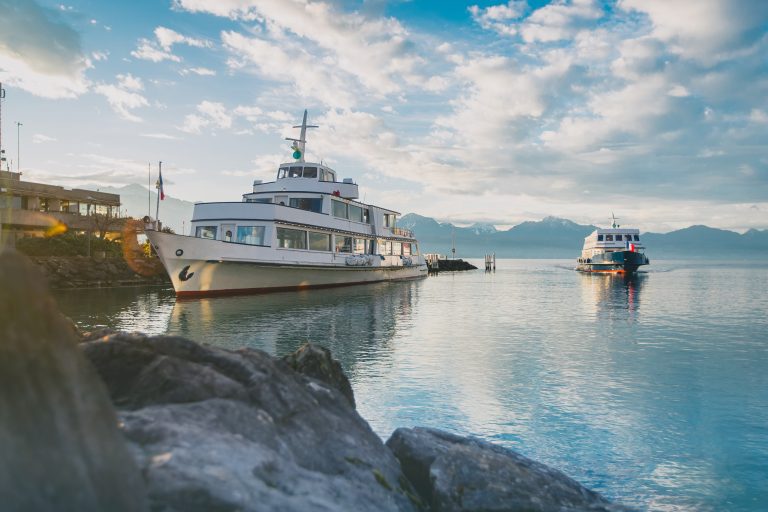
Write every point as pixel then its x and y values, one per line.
pixel 551 237
pixel 561 238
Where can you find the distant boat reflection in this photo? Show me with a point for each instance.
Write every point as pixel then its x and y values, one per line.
pixel 613 296
pixel 355 323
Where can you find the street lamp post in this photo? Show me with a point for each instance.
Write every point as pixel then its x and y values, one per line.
pixel 18 146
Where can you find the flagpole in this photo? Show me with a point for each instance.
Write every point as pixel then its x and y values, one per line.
pixel 157 185
pixel 149 189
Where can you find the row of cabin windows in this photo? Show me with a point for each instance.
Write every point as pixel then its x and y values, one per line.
pixel 609 238
pixel 288 238
pixel 350 211
pixel 252 235
pixel 298 171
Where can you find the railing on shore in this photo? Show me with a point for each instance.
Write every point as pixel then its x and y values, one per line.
pixel 490 262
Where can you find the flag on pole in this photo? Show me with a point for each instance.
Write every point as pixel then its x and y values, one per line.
pixel 160 184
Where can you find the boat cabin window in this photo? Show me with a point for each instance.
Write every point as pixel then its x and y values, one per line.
pixel 609 238
pixel 310 172
pixel 389 220
pixel 258 200
pixel 253 235
pixel 343 243
pixel 363 246
pixel 355 213
pixel 406 249
pixel 339 209
pixel 228 235
pixel 627 238
pixel 415 249
pixel 282 173
pixel 397 248
pixel 599 238
pixel 291 238
pixel 311 204
pixel 294 171
pixel 319 241
pixel 326 175
pixel 637 238
pixel 206 232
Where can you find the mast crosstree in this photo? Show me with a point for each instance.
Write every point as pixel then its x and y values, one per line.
pixel 300 144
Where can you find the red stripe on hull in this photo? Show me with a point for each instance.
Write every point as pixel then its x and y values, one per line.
pixel 253 291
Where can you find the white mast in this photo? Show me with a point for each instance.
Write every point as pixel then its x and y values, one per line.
pixel 300 144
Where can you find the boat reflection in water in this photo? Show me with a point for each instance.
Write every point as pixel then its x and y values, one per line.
pixel 354 323
pixel 612 296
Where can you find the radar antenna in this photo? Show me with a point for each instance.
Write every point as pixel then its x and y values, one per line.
pixel 300 144
pixel 614 219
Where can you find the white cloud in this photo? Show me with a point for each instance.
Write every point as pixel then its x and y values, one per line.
pixel 39 138
pixel 41 54
pixel 703 30
pixel 497 17
pixel 161 136
pixel 198 71
pixel 161 49
pixel 209 113
pixel 123 96
pixel 557 21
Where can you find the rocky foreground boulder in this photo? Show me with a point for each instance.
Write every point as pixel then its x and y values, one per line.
pixel 207 429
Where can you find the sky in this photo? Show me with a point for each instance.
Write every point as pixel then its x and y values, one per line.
pixel 493 112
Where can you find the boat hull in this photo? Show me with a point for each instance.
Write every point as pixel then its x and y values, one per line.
pixel 237 269
pixel 613 262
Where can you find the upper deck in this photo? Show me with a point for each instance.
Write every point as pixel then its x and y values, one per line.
pixel 304 177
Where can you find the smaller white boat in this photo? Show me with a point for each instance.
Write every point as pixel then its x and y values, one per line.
pixel 613 249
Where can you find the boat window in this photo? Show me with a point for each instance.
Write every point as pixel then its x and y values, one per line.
pixel 343 243
pixel 355 213
pixel 339 209
pixel 319 241
pixel 253 235
pixel 406 249
pixel 291 238
pixel 326 175
pixel 397 248
pixel 206 232
pixel 637 238
pixel 627 238
pixel 228 235
pixel 258 200
pixel 361 246
pixel 294 172
pixel 609 238
pixel 282 173
pixel 310 172
pixel 389 220
pixel 599 238
pixel 381 247
pixel 366 215
pixel 312 204
pixel 387 247
pixel 415 249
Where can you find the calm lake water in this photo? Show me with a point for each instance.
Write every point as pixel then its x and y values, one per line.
pixel 651 390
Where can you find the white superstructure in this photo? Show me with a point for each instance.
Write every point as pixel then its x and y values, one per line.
pixel 305 229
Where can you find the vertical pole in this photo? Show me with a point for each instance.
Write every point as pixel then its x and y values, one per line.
pixel 149 189
pixel 18 146
pixel 157 208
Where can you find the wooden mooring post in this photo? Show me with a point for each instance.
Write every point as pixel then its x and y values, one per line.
pixel 490 262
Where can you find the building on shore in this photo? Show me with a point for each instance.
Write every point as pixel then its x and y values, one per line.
pixel 37 209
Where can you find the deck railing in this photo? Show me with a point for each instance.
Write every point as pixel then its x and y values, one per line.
pixel 407 233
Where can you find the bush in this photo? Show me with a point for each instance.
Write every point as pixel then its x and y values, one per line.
pixel 67 244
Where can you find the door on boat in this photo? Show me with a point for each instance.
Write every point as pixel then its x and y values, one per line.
pixel 228 232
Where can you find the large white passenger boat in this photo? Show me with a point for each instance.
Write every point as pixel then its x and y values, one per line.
pixel 303 230
pixel 613 249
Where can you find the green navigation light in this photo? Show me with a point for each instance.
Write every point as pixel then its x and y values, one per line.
pixel 297 154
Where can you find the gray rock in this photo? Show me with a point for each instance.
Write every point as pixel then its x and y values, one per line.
pixel 453 473
pixel 317 362
pixel 222 430
pixel 60 445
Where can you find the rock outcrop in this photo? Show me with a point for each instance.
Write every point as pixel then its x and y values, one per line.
pixel 240 430
pixel 453 473
pixel 60 445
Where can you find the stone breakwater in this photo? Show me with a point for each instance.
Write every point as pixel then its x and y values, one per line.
pixel 82 272
pixel 124 421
